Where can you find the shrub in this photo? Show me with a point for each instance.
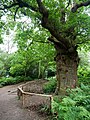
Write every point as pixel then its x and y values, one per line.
pixel 75 106
pixel 7 81
pixel 10 80
pixel 84 76
pixel 50 86
pixel 84 80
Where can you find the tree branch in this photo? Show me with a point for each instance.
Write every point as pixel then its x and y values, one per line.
pixel 21 4
pixel 24 4
pixel 42 9
pixel 15 13
pixel 10 6
pixel 75 7
pixel 2 9
pixel 42 42
pixel 55 41
pixel 48 24
pixel 69 1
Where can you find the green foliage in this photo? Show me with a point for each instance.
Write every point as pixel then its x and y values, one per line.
pixel 50 86
pixel 7 81
pixel 57 9
pixel 32 58
pixel 84 80
pixel 75 106
pixel 44 109
pixel 84 67
pixel 84 75
pixel 17 69
pixel 33 55
pixel 5 60
pixel 10 80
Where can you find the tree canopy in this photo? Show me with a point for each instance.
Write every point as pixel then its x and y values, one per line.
pixel 51 15
pixel 65 23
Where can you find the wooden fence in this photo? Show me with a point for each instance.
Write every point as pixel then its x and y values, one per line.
pixel 29 99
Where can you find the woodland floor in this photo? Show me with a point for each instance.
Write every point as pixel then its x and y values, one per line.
pixel 11 108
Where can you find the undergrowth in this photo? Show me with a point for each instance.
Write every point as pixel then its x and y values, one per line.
pixel 75 106
pixel 50 86
pixel 10 80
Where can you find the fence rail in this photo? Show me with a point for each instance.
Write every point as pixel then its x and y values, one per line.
pixel 28 99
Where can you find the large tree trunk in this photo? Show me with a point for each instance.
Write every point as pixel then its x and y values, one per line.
pixel 67 64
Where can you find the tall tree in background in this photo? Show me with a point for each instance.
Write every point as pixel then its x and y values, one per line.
pixel 68 29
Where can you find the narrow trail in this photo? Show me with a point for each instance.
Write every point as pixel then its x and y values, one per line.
pixel 11 108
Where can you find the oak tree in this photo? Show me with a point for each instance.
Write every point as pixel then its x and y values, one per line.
pixel 68 24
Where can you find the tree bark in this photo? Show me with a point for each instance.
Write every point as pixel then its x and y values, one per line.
pixel 67 64
pixel 39 69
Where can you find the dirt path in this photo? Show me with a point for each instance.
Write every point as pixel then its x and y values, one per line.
pixel 11 109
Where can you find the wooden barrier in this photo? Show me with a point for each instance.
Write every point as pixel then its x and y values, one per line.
pixel 28 99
